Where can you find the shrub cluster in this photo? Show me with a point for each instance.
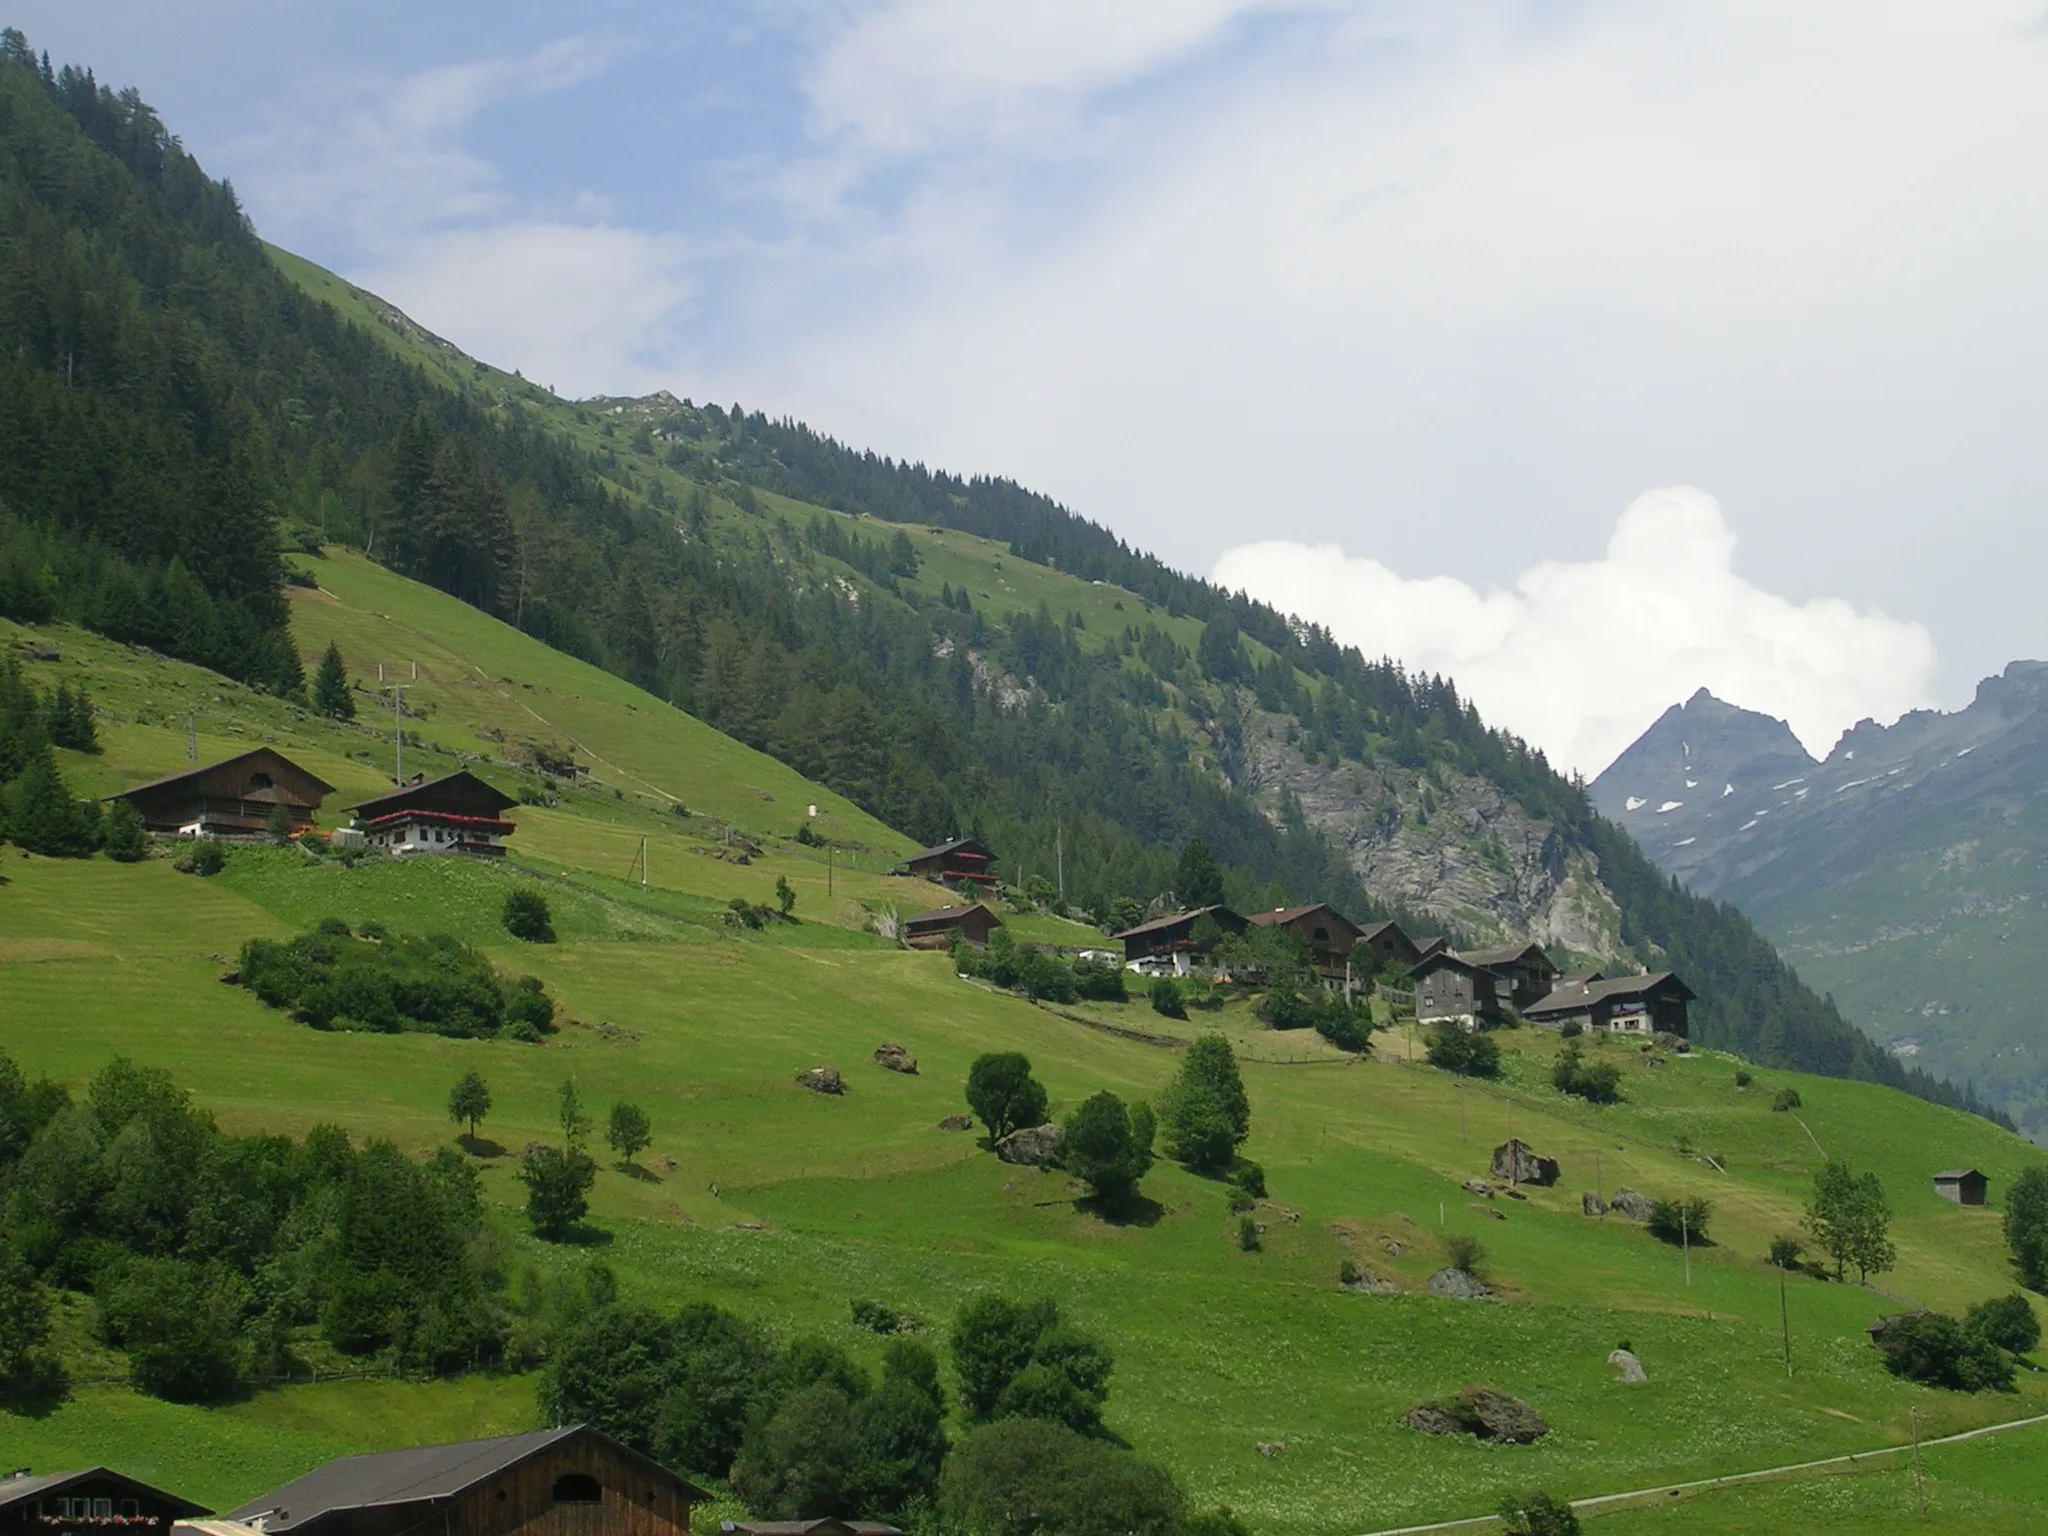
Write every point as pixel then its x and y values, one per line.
pixel 207 1254
pixel 334 979
pixel 1037 974
pixel 1937 1350
pixel 1596 1082
pixel 1469 1053
pixel 37 809
pixel 1681 1221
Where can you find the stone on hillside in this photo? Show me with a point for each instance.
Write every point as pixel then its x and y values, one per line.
pixel 1370 1284
pixel 821 1080
pixel 957 1123
pixel 1632 1205
pixel 1458 1284
pixel 1479 1187
pixel 1592 1204
pixel 896 1059
pixel 1495 1416
pixel 1516 1160
pixel 1431 1420
pixel 1627 1366
pixel 1032 1147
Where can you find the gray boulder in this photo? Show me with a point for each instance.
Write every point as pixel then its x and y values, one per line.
pixel 896 1059
pixel 957 1123
pixel 1632 1205
pixel 1483 1412
pixel 1592 1204
pixel 1458 1284
pixel 1517 1161
pixel 1627 1367
pixel 821 1080
pixel 1032 1147
pixel 1432 1420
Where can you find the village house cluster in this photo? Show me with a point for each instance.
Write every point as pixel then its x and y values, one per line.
pixel 573 1481
pixel 1473 989
pixel 263 793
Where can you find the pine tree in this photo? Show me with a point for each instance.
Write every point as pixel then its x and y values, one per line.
pixel 331 695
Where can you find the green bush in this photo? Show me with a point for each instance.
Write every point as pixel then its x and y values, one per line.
pixel 1785 1251
pixel 1165 996
pixel 526 916
pixel 1680 1221
pixel 434 985
pixel 2026 1227
pixel 208 859
pixel 1469 1053
pixel 1934 1349
pixel 1785 1099
pixel 557 1184
pixel 180 1325
pixel 1030 1475
pixel 1108 1146
pixel 1596 1082
pixel 1019 1360
pixel 1003 1094
pixel 1463 1251
pixel 123 837
pixel 1248 1235
pixel 2007 1322
pixel 1536 1513
pixel 1205 1110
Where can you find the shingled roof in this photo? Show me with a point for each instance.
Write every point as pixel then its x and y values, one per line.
pixel 417 1476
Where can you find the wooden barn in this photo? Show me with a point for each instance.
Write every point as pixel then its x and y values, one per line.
pixel 1962 1186
pixel 87 1502
pixel 1627 1005
pixel 548 1482
pixel 1167 943
pixel 1327 933
pixel 1524 970
pixel 960 862
pixel 1392 944
pixel 456 813
pixel 1449 989
pixel 235 797
pixel 935 929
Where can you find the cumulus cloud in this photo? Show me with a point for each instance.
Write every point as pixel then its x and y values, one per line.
pixel 1579 658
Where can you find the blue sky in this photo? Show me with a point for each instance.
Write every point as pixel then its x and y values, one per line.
pixel 1392 308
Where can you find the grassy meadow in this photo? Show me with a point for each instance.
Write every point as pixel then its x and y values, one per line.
pixel 786 1205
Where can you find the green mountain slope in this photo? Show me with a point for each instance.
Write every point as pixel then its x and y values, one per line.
pixel 788 1206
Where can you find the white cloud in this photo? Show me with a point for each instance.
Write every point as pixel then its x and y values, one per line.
pixel 1580 658
pixel 584 309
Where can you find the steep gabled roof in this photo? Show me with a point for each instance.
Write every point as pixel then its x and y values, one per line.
pixel 408 797
pixel 420 1475
pixel 940 916
pixel 1948 1174
pixel 1609 989
pixel 954 846
pixel 1175 919
pixel 14 1490
pixel 1505 954
pixel 171 779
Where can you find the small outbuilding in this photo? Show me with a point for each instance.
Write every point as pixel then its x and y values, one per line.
pixel 548 1482
pixel 1962 1186
pixel 235 797
pixel 456 813
pixel 935 929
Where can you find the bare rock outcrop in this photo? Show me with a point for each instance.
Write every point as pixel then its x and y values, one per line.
pixel 1032 1147
pixel 821 1080
pixel 1483 1412
pixel 1458 1285
pixel 897 1059
pixel 1635 1207
pixel 1517 1161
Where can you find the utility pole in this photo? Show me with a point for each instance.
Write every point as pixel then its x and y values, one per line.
pixel 1059 857
pixel 1599 1183
pixel 828 871
pixel 398 725
pixel 1785 1321
pixel 1919 1487
pixel 643 863
pixel 191 738
pixel 1685 1237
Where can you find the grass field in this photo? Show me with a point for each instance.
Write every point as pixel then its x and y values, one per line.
pixel 786 1205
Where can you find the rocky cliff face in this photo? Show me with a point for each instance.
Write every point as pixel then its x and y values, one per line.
pixel 1441 843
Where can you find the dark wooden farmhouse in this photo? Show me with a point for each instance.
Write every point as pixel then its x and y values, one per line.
pixel 960 862
pixel 86 1503
pixel 1525 971
pixel 235 797
pixel 1167 943
pixel 1327 933
pixel 1628 1005
pixel 1962 1186
pixel 1449 989
pixel 549 1482
pixel 935 930
pixel 1392 945
pixel 456 813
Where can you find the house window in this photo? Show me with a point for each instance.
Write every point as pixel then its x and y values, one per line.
pixel 577 1488
pixel 130 1508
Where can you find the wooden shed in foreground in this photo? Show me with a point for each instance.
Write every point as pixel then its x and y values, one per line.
pixel 548 1482
pixel 88 1502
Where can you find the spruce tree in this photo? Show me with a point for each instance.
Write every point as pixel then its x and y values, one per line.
pixel 331 695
